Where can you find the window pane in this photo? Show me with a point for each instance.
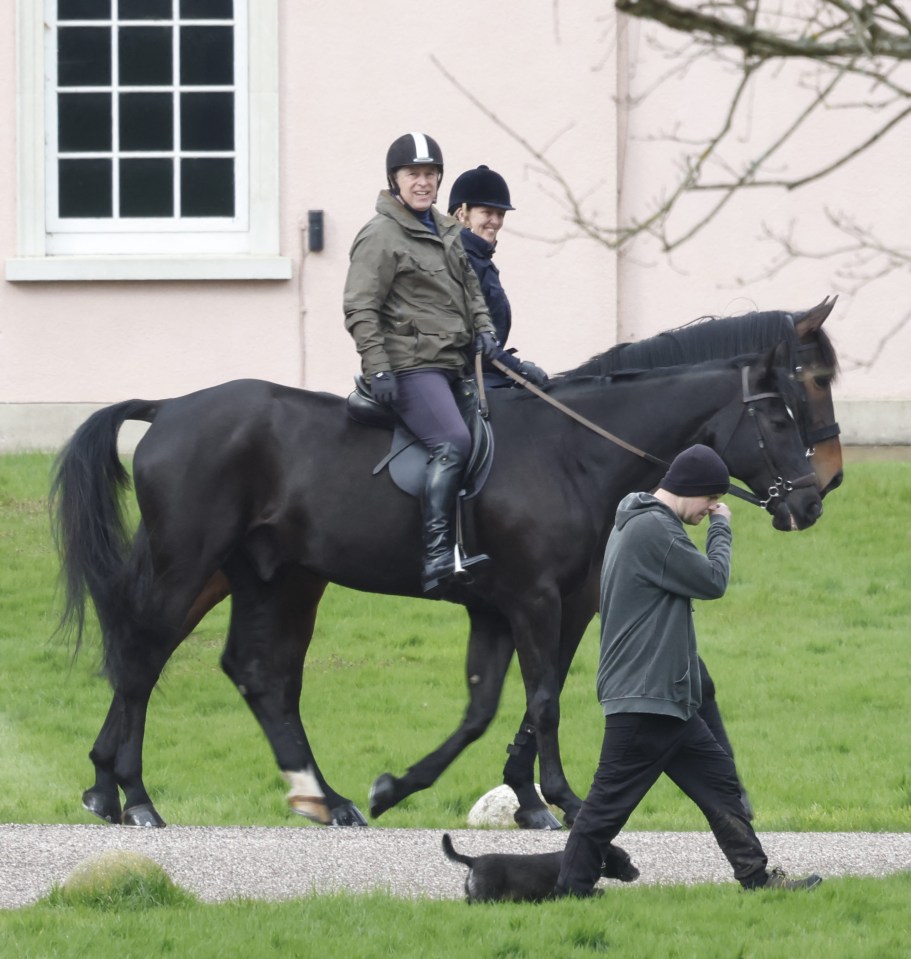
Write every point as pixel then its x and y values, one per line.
pixel 207 187
pixel 83 56
pixel 146 56
pixel 146 187
pixel 144 9
pixel 83 122
pixel 207 9
pixel 85 188
pixel 83 9
pixel 206 56
pixel 207 121
pixel 146 121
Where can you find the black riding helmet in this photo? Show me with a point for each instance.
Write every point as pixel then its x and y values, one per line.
pixel 480 187
pixel 412 149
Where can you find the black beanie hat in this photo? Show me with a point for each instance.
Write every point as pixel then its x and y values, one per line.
pixel 697 471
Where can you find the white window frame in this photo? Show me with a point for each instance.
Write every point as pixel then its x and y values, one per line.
pixel 250 253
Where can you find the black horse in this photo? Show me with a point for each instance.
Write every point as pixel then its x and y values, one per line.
pixel 267 492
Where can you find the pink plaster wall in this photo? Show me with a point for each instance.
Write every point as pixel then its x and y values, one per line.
pixel 353 76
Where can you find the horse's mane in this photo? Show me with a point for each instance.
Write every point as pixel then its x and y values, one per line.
pixel 706 338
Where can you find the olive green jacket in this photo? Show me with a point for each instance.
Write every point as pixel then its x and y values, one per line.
pixel 412 299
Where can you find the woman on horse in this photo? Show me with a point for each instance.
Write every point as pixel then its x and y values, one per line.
pixel 479 200
pixel 415 309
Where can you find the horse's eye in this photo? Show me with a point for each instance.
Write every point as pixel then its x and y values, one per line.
pixel 821 381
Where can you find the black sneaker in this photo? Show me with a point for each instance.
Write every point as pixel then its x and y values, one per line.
pixel 778 879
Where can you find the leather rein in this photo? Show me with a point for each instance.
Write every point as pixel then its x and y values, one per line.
pixel 779 488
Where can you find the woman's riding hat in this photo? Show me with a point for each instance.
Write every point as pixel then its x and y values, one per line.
pixel 697 471
pixel 480 187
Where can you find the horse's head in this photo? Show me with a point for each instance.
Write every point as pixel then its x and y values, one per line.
pixel 815 371
pixel 761 443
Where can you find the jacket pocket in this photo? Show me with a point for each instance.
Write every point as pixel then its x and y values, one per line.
pixel 426 284
pixel 439 336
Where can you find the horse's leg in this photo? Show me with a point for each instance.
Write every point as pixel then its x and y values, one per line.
pixel 271 627
pixel 490 650
pixel 536 624
pixel 215 590
pixel 710 712
pixel 519 772
pixel 103 798
pixel 117 751
pixel 151 615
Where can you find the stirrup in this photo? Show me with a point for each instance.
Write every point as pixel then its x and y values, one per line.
pixel 464 563
pixel 458 572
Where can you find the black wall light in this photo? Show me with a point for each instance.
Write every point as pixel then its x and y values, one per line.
pixel 315 230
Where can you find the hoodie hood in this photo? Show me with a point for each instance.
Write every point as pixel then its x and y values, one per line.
pixel 635 503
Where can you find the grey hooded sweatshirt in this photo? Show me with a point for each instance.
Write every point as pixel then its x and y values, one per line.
pixel 652 571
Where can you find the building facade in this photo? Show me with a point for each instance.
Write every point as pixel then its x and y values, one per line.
pixel 183 179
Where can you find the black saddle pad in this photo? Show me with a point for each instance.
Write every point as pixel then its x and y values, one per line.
pixel 407 456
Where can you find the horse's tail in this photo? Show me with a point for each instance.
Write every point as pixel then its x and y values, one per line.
pixel 90 532
pixel 449 849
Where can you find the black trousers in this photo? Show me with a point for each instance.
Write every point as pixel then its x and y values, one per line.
pixel 637 749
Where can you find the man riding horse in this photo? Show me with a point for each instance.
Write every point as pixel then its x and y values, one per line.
pixel 415 309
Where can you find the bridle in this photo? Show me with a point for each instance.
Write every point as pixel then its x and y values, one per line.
pixel 780 487
pixel 827 432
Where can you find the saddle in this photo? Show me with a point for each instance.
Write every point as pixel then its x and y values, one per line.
pixel 407 456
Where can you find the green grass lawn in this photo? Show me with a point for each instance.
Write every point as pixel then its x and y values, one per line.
pixel 808 650
pixel 843 919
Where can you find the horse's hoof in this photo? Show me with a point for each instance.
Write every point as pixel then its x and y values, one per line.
pixel 536 819
pixel 348 815
pixel 144 815
pixel 382 795
pixel 313 808
pixel 101 806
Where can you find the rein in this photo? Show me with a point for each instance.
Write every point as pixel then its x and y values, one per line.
pixel 578 417
pixel 781 484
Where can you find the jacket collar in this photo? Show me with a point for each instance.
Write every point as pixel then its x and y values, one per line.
pixel 388 205
pixel 477 244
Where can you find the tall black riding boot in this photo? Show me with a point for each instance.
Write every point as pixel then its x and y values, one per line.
pixel 442 560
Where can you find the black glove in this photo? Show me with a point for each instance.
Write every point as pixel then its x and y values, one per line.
pixel 383 387
pixel 486 344
pixel 534 374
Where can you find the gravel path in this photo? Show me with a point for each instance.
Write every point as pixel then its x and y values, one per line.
pixel 219 863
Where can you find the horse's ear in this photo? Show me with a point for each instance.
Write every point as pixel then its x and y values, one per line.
pixel 811 320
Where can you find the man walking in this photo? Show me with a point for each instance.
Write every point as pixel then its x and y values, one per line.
pixel 648 675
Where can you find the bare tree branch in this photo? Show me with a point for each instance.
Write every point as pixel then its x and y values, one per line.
pixel 869 38
pixel 850 56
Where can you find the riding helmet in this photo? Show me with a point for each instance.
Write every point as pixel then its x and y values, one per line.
pixel 480 187
pixel 413 149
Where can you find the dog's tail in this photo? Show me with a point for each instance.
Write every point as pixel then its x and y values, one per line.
pixel 452 854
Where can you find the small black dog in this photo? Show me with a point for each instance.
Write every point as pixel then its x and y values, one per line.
pixel 505 877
